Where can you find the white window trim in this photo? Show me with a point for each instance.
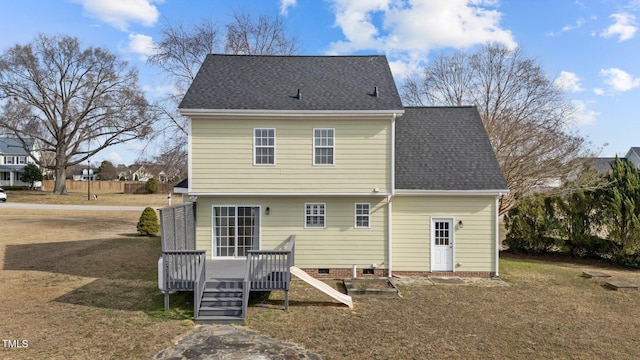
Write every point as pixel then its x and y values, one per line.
pixel 313 143
pixel 355 216
pixel 254 147
pixel 324 223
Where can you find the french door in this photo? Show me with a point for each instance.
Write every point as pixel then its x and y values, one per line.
pixel 236 230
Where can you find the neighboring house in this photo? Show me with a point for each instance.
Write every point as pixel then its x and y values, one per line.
pixel 140 173
pixel 86 174
pixel 322 147
pixel 602 165
pixel 13 159
pixel 633 155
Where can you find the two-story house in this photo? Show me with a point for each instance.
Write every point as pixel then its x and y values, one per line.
pixel 13 159
pixel 322 147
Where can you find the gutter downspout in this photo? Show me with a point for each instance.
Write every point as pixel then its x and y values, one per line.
pixel 390 233
pixel 497 224
pixel 390 198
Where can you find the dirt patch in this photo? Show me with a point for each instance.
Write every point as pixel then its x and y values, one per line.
pixel 370 287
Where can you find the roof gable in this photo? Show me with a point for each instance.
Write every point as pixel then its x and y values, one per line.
pixel 445 148
pixel 257 82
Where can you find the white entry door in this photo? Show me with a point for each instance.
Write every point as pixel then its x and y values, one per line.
pixel 441 244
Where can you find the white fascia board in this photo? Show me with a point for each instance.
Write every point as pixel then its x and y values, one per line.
pixel 372 194
pixel 292 113
pixel 412 192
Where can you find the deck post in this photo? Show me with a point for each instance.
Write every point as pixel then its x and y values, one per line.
pixel 166 300
pixel 286 300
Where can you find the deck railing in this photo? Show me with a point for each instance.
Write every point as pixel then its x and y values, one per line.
pixel 180 269
pixel 270 270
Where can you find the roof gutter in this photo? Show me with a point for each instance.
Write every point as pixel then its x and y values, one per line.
pixel 418 192
pixel 291 113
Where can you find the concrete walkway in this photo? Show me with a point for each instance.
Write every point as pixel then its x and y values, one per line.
pixel 228 342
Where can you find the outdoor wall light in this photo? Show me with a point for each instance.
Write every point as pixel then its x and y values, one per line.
pixel 267 210
pixel 460 224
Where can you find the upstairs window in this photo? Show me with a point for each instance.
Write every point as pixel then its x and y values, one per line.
pixel 323 146
pixel 314 215
pixel 264 146
pixel 22 160
pixel 9 160
pixel 362 215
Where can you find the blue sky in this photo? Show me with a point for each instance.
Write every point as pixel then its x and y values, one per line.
pixel 590 47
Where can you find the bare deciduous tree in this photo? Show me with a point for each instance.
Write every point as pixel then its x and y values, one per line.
pixel 74 101
pixel 181 50
pixel 264 35
pixel 526 116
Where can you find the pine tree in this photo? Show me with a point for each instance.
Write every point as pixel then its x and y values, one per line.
pixel 622 209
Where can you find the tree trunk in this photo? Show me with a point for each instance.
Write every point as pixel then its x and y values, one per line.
pixel 60 186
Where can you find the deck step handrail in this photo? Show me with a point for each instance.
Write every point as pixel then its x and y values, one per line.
pixel 198 292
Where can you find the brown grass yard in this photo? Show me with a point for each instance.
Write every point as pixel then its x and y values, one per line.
pixel 81 285
pixel 80 198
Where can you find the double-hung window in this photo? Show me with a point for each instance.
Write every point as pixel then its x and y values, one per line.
pixel 323 146
pixel 314 215
pixel 362 215
pixel 264 146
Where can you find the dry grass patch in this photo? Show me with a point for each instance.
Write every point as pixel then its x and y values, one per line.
pixel 82 285
pixel 548 311
pixel 80 198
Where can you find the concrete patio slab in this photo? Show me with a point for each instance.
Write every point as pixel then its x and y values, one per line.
pixel 595 274
pixel 621 286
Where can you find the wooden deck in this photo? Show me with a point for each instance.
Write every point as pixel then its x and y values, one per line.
pixel 225 269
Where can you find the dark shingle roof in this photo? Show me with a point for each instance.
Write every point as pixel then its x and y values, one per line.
pixel 9 145
pixel 257 82
pixel 445 148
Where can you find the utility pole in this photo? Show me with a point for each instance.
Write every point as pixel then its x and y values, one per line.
pixel 88 180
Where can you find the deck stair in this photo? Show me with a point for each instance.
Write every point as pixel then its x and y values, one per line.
pixel 222 302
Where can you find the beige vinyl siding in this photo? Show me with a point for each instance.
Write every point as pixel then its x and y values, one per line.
pixel 474 244
pixel 339 245
pixel 222 156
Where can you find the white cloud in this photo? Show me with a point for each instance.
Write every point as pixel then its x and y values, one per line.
pixel 583 116
pixel 142 45
pixel 120 13
pixel 624 27
pixel 619 80
pixel 412 28
pixel 598 91
pixel 568 81
pixel 113 157
pixel 577 25
pixel 285 5
pixel 161 91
